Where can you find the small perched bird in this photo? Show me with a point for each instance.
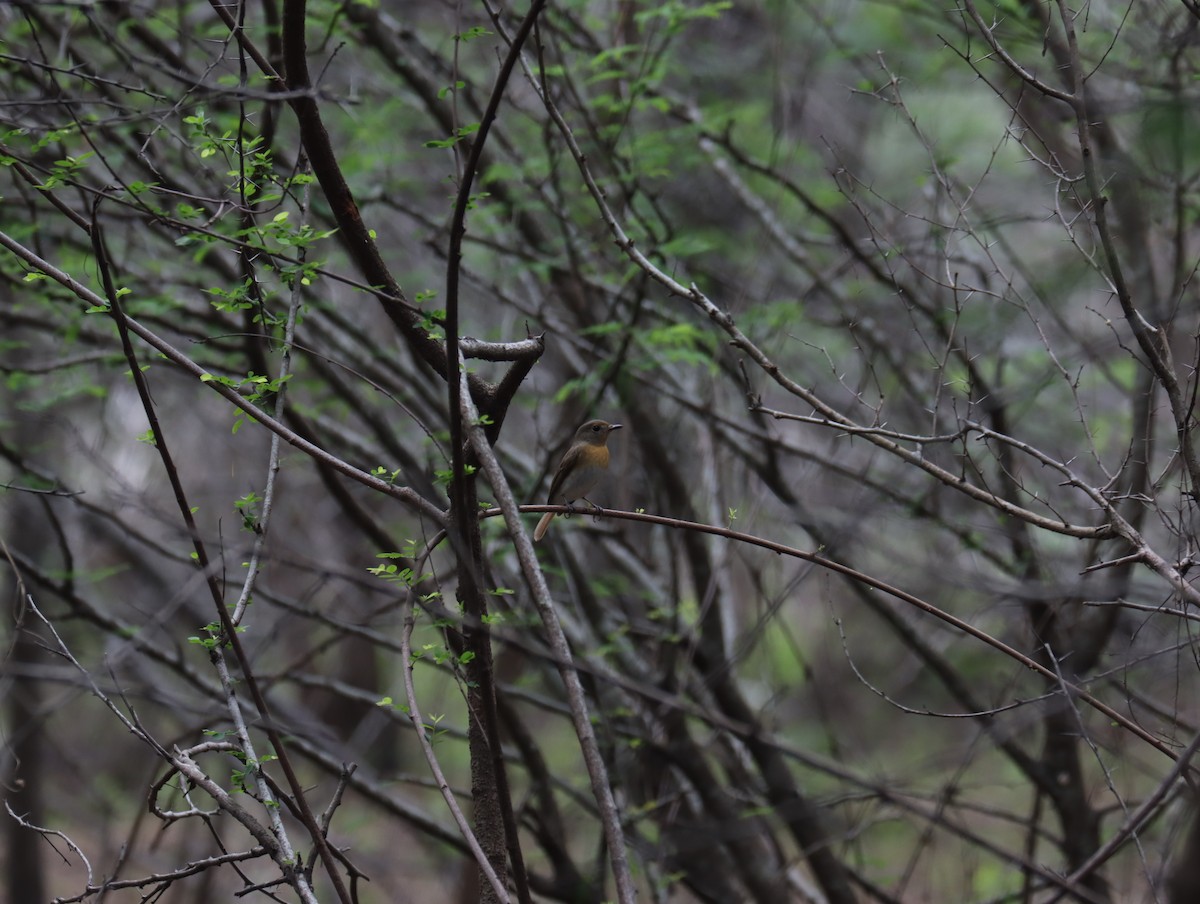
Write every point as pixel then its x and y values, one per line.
pixel 580 469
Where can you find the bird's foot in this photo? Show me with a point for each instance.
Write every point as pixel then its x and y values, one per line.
pixel 596 510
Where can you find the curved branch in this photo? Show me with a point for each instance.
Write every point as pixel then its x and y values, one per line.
pixel 902 595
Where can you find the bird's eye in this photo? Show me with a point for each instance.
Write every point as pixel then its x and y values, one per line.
pixel 595 428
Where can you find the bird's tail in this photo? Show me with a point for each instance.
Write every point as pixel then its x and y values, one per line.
pixel 542 526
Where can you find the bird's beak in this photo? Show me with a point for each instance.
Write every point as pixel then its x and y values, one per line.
pixel 612 427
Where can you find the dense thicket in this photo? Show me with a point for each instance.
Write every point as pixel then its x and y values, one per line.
pixel 893 596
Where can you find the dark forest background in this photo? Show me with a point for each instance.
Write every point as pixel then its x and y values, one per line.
pixel 893 596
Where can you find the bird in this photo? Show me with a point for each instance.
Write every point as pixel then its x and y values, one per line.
pixel 581 468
